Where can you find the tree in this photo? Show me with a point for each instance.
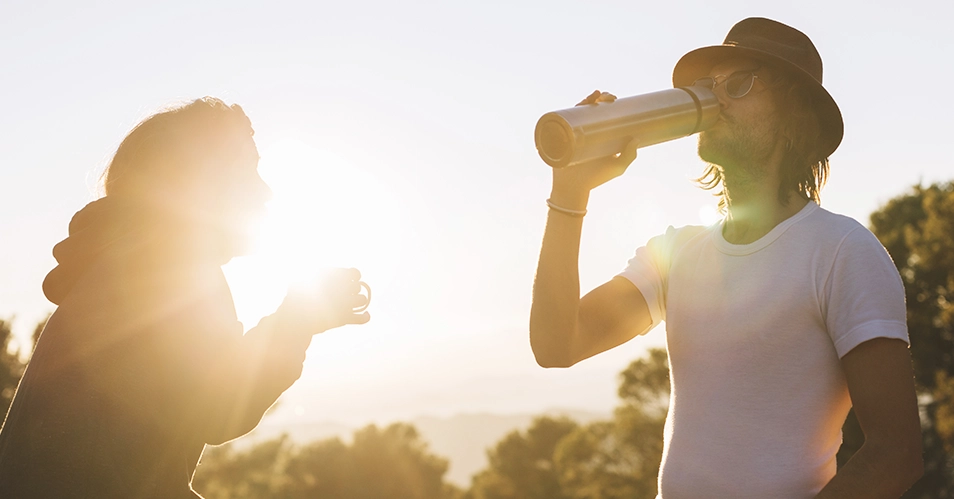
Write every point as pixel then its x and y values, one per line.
pixel 620 458
pixel 614 459
pixel 522 464
pixel 12 362
pixel 225 473
pixel 917 229
pixel 11 367
pixel 393 462
pixel 390 462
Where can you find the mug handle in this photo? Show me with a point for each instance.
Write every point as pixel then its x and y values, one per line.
pixel 364 307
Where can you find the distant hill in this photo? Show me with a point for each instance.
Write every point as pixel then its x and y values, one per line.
pixel 462 438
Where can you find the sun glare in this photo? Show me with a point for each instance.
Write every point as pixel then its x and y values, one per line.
pixel 709 214
pixel 325 212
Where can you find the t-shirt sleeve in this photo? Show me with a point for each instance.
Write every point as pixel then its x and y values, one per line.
pixel 865 295
pixel 648 270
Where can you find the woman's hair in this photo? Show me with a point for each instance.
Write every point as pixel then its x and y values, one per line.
pixel 166 149
pixel 804 170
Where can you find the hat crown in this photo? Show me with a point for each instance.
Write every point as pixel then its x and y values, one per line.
pixel 780 40
pixel 786 49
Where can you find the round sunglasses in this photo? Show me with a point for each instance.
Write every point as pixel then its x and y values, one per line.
pixel 737 85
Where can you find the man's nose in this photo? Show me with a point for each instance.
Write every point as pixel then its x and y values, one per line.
pixel 720 94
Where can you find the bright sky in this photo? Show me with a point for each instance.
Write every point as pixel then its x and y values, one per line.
pixel 398 137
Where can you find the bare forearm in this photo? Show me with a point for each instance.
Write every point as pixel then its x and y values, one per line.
pixel 556 288
pixel 554 316
pixel 874 473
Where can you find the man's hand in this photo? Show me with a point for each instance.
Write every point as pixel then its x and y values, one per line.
pixel 563 330
pixel 572 185
pixel 596 97
pixel 327 304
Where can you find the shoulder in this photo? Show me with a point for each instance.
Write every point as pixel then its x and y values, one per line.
pixel 818 218
pixel 688 232
pixel 675 238
pixel 661 250
pixel 829 224
pixel 836 233
pixel 852 255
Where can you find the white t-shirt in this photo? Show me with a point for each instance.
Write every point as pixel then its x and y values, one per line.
pixel 755 333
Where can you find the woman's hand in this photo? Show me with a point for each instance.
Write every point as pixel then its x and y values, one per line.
pixel 331 302
pixel 572 184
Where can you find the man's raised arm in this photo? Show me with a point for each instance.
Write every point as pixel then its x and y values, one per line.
pixel 565 329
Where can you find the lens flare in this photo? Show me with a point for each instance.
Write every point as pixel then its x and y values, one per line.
pixel 325 212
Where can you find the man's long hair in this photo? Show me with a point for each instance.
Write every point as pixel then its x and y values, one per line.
pixel 804 169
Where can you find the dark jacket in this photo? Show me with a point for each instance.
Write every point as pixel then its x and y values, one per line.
pixel 140 366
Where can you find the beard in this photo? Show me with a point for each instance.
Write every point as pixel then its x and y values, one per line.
pixel 738 147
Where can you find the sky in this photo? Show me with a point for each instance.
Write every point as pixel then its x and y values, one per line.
pixel 398 138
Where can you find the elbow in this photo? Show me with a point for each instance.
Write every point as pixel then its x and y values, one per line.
pixel 226 420
pixel 551 361
pixel 910 473
pixel 903 462
pixel 552 345
pixel 915 467
pixel 919 471
pixel 913 459
pixel 549 355
pixel 228 431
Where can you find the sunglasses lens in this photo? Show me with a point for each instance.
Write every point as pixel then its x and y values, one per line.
pixel 705 82
pixel 739 84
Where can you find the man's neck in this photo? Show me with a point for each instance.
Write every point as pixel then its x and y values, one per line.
pixel 754 204
pixel 747 222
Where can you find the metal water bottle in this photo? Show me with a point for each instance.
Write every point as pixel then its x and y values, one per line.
pixel 584 133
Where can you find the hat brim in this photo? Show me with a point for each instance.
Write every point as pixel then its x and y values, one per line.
pixel 700 61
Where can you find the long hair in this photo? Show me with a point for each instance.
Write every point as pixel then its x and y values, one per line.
pixel 166 149
pixel 803 170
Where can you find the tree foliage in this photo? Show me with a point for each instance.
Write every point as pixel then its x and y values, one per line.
pixel 257 472
pixel 521 466
pixel 11 368
pixel 620 458
pixel 12 362
pixel 917 229
pixel 614 459
pixel 390 462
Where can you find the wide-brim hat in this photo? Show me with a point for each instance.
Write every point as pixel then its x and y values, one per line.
pixel 782 46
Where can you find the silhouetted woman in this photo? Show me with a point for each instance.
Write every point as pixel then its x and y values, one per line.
pixel 144 361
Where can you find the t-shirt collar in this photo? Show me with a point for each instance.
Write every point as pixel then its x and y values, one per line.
pixel 747 249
